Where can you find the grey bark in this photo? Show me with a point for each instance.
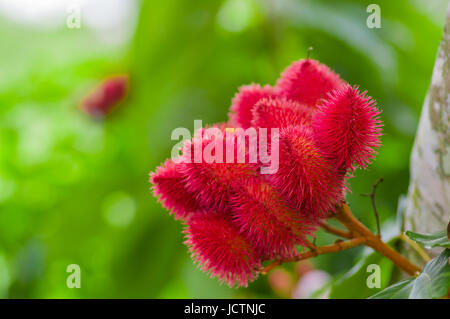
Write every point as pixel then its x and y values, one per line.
pixel 427 207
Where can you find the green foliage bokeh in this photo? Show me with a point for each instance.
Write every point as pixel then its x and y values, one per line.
pixel 75 190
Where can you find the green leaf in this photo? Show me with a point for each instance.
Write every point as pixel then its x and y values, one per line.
pixel 433 282
pixel 438 239
pixel 353 284
pixel 399 290
pixel 421 287
pixel 438 269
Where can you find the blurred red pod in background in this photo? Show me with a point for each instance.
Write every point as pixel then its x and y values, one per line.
pixel 106 96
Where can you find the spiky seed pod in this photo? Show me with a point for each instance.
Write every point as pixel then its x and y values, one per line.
pixel 279 113
pixel 212 181
pixel 106 96
pixel 348 128
pixel 243 102
pixel 271 225
pixel 219 248
pixel 169 186
pixel 304 177
pixel 307 81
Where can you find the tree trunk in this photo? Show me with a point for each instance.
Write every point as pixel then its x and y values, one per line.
pixel 427 207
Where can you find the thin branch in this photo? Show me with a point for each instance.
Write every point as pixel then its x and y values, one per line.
pixel 270 266
pixel 311 245
pixel 318 250
pixel 372 198
pixel 337 246
pixel 359 235
pixel 345 216
pixel 308 52
pixel 336 231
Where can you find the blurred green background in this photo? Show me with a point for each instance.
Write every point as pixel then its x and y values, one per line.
pixel 74 190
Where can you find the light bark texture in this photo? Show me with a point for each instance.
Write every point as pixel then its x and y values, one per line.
pixel 427 207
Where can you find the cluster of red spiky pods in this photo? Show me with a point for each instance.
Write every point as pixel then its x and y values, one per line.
pixel 237 217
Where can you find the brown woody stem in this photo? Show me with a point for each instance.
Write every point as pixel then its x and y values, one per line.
pixel 319 250
pixel 337 246
pixel 336 231
pixel 358 234
pixel 345 216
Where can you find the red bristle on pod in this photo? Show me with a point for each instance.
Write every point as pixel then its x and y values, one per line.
pixel 243 102
pixel 307 81
pixel 348 128
pixel 208 178
pixel 305 177
pixel 273 227
pixel 169 186
pixel 220 249
pixel 279 113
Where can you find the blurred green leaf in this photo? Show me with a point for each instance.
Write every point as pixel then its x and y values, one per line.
pixel 79 188
pixel 353 284
pixel 433 282
pixel 399 290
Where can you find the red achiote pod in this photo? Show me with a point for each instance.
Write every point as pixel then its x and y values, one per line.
pixel 210 170
pixel 347 127
pixel 304 177
pixel 106 96
pixel 169 186
pixel 307 81
pixel 279 113
pixel 220 249
pixel 272 226
pixel 243 102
